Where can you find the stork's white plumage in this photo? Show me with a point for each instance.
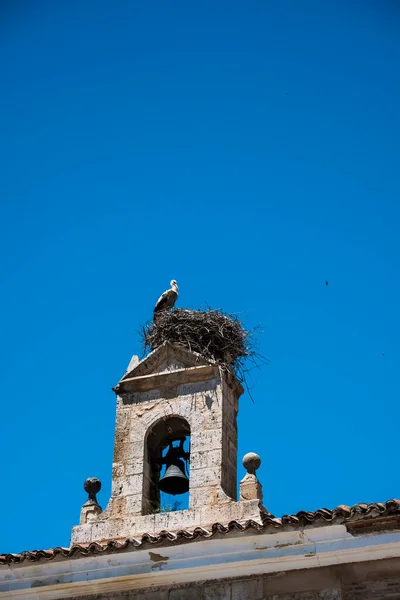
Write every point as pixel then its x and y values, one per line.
pixel 168 298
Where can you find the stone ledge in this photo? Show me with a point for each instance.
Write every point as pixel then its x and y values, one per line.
pixel 137 525
pixel 145 383
pixel 317 560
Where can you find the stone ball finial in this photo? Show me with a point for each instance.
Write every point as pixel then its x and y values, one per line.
pixel 92 486
pixel 251 462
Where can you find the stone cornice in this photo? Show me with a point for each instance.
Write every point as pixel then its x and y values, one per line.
pixel 245 555
pixel 167 379
pixel 150 363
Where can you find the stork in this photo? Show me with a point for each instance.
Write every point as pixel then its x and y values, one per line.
pixel 168 298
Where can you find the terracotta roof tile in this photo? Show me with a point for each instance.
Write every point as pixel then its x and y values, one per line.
pixel 324 516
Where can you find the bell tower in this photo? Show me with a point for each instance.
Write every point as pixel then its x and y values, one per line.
pixel 170 398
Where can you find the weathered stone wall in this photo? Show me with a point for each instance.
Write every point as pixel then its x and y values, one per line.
pixel 204 407
pixel 378 580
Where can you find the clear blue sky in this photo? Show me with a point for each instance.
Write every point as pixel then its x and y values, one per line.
pixel 251 151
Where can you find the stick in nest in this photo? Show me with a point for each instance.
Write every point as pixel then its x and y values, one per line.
pixel 214 334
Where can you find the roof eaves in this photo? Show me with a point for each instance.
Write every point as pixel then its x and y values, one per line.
pixel 362 517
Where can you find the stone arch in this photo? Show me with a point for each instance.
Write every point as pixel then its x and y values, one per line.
pixel 157 438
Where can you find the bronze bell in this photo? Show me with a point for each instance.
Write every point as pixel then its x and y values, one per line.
pixel 175 480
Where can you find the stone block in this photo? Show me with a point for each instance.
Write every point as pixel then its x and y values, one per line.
pixel 372 589
pixel 101 531
pixel 137 431
pixel 136 447
pixel 202 496
pixel 122 420
pixel 210 439
pixel 229 487
pixel 134 504
pixel 221 514
pixel 172 521
pixel 127 485
pixel 250 488
pixel 217 591
pixel 146 485
pixel 229 434
pixel 145 524
pixel 188 409
pixel 203 477
pixel 135 466
pixel 153 412
pixel 228 413
pixel 147 474
pixel 213 422
pixel 231 511
pixel 249 509
pixel 121 450
pixel 187 593
pixel 232 451
pixel 117 528
pixel 150 595
pixel 81 534
pixel 118 469
pixel 228 467
pixel 212 408
pixel 119 507
pixel 250 588
pixel 147 506
pixel 89 513
pixel 205 459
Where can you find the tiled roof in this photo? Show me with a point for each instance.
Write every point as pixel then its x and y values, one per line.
pixel 375 514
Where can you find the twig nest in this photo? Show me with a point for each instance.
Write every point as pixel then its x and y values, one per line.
pixel 212 333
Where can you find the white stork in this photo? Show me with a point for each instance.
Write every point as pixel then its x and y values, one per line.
pixel 168 298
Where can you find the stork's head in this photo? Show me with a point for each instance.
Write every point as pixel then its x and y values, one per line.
pixel 174 285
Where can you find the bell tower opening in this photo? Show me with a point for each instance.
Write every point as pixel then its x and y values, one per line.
pixel 166 466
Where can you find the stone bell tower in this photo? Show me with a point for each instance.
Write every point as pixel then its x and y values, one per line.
pixel 169 395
